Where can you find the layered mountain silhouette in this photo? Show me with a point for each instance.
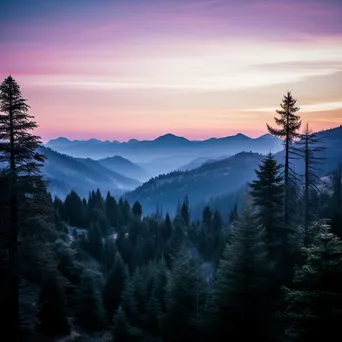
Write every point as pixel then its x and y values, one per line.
pixel 168 152
pixel 203 183
pixel 66 173
pixel 222 178
pixel 205 178
pixel 125 167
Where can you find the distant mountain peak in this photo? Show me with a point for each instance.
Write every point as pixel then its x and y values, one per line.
pixel 133 141
pixel 60 139
pixel 170 137
pixel 94 140
pixel 267 136
pixel 240 135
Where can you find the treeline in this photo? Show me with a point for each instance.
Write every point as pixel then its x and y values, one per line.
pixel 98 269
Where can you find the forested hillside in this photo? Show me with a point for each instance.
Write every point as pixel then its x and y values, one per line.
pixel 95 268
pixel 210 180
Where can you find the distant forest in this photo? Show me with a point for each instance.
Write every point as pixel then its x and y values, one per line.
pixel 98 269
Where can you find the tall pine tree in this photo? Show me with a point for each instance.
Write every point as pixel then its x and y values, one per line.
pixel 309 148
pixel 18 152
pixel 239 308
pixel 52 306
pixel 90 313
pixel 267 195
pixel 186 294
pixel 314 303
pixel 115 284
pixel 289 123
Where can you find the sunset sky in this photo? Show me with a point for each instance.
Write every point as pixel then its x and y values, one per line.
pixel 198 68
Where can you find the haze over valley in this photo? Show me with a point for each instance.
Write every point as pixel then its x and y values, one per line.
pixel 163 171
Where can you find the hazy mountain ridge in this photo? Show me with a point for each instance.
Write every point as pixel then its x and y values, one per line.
pixel 167 152
pixel 222 177
pixel 203 183
pixel 194 164
pixel 140 151
pixel 206 180
pixel 67 173
pixel 125 167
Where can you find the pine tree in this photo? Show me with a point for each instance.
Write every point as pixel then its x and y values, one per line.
pixel 18 152
pixel 137 210
pixel 166 228
pixel 111 210
pixel 178 237
pixel 109 254
pixel 184 212
pixel 74 210
pixel 152 316
pixel 206 218
pixel 314 304
pixel 186 295
pixel 240 301
pixel 289 124
pixel 233 214
pixel 267 195
pixel 90 312
pixel 123 331
pixel 309 148
pixel 52 307
pixel 94 241
pixel 114 286
pixel 217 222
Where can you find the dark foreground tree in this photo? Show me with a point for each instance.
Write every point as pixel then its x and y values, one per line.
pixel 309 148
pixel 114 286
pixel 186 295
pixel 22 163
pixel 52 307
pixel 240 303
pixel 267 194
pixel 314 303
pixel 289 124
pixel 90 312
pixel 123 331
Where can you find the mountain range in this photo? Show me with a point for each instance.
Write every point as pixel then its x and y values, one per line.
pixel 165 153
pixel 125 167
pixel 200 184
pixel 66 173
pixel 224 177
pixel 203 179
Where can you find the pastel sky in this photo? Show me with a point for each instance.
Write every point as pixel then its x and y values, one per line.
pixel 198 68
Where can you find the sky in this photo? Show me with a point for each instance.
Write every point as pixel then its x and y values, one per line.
pixel 124 69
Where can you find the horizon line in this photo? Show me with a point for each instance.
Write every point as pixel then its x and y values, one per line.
pixel 159 136
pixel 45 141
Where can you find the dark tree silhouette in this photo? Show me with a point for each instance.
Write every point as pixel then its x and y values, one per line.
pixel 267 194
pixel 240 298
pixel 289 124
pixel 313 311
pixel 309 148
pixel 52 307
pixel 137 209
pixel 18 151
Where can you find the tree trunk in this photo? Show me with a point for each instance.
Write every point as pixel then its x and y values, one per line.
pixel 306 200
